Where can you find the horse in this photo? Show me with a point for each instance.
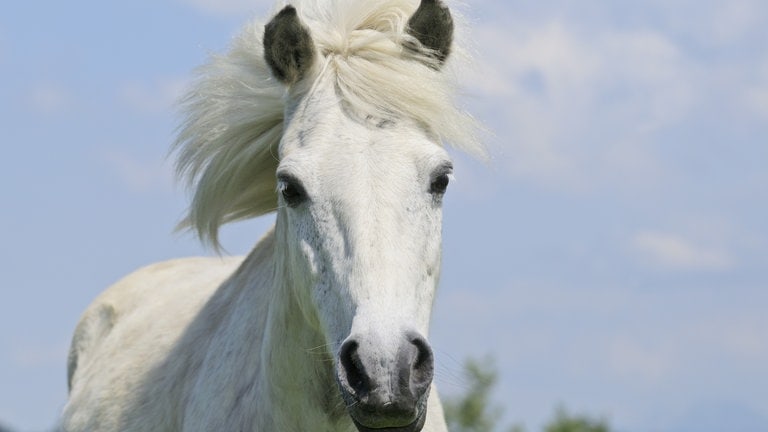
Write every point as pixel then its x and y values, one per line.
pixel 335 115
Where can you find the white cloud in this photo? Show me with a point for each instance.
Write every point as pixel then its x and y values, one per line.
pixel 156 97
pixel 567 96
pixel 755 96
pixel 34 356
pixel 627 358
pixel 714 23
pixel 672 251
pixel 684 353
pixel 3 47
pixel 743 337
pixel 50 98
pixel 139 175
pixel 733 20
pixel 227 7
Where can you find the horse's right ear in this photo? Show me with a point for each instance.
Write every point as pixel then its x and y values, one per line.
pixel 288 47
pixel 432 26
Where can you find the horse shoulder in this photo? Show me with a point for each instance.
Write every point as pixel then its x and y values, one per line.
pixel 131 328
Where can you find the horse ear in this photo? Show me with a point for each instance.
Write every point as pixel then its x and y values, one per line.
pixel 288 47
pixel 432 25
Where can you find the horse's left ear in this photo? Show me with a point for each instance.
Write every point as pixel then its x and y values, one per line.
pixel 432 25
pixel 288 47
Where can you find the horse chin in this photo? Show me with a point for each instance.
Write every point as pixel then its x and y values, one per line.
pixel 416 426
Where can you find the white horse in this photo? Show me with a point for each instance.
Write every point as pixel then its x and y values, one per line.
pixel 333 114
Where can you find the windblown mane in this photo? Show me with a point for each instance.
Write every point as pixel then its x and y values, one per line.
pixel 233 114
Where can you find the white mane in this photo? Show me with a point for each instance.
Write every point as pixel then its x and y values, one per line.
pixel 228 143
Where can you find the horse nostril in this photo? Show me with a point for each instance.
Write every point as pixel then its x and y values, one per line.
pixel 352 368
pixel 421 366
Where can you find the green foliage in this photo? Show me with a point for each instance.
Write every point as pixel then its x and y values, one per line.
pixel 474 412
pixel 564 422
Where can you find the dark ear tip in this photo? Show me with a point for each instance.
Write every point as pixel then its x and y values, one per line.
pixel 432 25
pixel 288 47
pixel 288 10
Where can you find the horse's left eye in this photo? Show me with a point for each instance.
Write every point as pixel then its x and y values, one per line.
pixel 292 191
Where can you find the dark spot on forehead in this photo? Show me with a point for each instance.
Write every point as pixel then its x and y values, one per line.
pixel 385 124
pixel 380 122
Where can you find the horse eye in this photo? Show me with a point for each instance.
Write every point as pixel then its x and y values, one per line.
pixel 292 191
pixel 439 184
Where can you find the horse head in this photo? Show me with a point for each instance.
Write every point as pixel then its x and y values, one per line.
pixel 360 185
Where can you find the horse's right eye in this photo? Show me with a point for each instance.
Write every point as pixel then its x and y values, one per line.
pixel 440 179
pixel 292 191
pixel 439 184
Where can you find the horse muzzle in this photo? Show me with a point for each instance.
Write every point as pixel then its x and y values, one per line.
pixel 416 426
pixel 386 393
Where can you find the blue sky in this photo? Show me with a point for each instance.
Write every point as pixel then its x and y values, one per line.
pixel 613 256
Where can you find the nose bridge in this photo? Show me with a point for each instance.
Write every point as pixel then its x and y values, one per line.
pixel 378 247
pixel 370 262
pixel 384 270
pixel 389 305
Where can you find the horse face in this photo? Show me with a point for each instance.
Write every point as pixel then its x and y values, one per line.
pixel 360 211
pixel 360 206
